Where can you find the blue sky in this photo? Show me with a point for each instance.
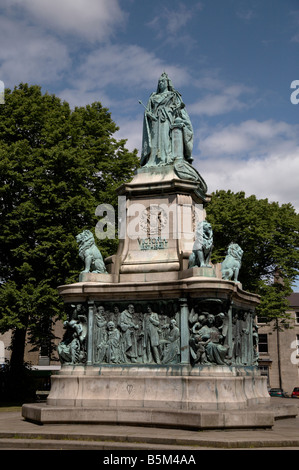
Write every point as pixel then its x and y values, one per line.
pixel 233 61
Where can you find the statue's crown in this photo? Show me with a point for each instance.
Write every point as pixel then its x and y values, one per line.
pixel 164 75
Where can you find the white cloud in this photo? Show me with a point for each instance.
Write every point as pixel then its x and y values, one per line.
pixel 128 66
pixel 223 100
pixel 245 14
pixel 260 158
pixel 32 53
pixel 112 74
pixel 249 138
pixel 294 14
pixel 274 177
pixel 82 97
pixel 171 25
pixel 28 55
pixel 173 20
pixel 131 130
pixel 94 20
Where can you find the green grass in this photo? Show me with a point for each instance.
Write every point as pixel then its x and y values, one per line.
pixel 10 407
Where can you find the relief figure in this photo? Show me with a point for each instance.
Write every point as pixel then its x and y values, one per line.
pixel 139 336
pixel 101 334
pixel 209 333
pixel 151 336
pixel 171 351
pixel 128 338
pixel 72 348
pixel 113 344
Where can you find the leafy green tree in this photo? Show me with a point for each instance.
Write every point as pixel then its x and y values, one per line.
pixel 56 166
pixel 268 233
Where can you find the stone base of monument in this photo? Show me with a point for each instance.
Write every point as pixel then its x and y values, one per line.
pixel 202 419
pixel 175 396
pixel 162 337
pixel 178 393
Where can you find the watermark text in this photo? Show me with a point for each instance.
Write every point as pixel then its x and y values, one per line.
pixel 153 224
pixel 295 94
pixel 1 92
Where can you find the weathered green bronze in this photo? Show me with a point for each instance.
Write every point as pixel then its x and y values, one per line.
pixel 72 349
pixel 140 330
pixel 89 253
pixel 231 265
pixel 167 129
pixel 203 245
pixel 148 333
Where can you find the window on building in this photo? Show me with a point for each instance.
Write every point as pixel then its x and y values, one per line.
pixel 297 317
pixel 262 319
pixel 263 343
pixel 44 355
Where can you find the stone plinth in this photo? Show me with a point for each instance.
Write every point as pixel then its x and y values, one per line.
pixel 147 289
pixel 173 388
pixel 164 418
pixel 204 271
pixel 161 211
pixel 174 396
pixel 154 341
pixel 96 277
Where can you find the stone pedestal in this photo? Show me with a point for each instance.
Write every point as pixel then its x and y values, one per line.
pixel 153 341
pixel 161 214
pixel 176 388
pixel 174 396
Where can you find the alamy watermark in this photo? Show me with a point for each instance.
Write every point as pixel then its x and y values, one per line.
pixel 156 221
pixel 295 94
pixel 1 92
pixel 295 353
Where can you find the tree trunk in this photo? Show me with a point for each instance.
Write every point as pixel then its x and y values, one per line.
pixel 18 350
pixel 18 385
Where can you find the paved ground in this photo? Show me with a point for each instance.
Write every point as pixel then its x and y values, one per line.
pixel 18 434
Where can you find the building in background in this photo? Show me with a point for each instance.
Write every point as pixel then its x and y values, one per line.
pixel 279 349
pixel 36 359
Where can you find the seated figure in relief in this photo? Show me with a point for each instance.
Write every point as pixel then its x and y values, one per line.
pixel 211 337
pixel 72 348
